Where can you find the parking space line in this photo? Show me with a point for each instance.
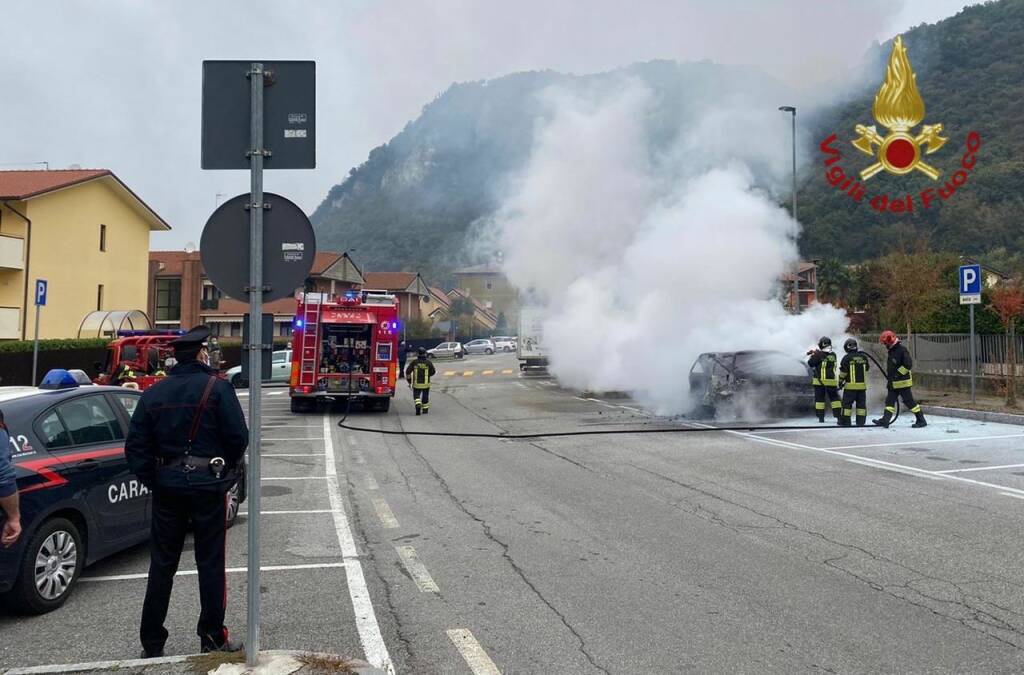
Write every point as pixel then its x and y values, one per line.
pixel 875 462
pixel 292 438
pixel 1010 494
pixel 983 468
pixel 920 473
pixel 417 570
pixel 292 454
pixel 374 649
pixel 229 570
pixel 937 440
pixel 475 656
pixel 288 512
pixel 275 393
pixel 384 513
pixel 293 477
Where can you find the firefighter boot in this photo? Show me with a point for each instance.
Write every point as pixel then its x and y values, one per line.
pixel 920 422
pixel 419 406
pixel 885 419
pixel 844 419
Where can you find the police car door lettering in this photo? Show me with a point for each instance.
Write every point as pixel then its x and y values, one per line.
pixel 125 491
pixel 21 445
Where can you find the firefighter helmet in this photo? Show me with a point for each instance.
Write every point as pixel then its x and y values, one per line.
pixel 825 343
pixel 888 338
pixel 422 351
pixel 850 345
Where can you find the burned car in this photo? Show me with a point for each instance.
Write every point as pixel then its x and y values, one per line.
pixel 750 382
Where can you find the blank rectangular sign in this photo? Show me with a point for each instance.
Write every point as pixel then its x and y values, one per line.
pixel 289 114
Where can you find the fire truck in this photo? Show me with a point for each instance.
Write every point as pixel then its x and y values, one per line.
pixel 345 348
pixel 145 350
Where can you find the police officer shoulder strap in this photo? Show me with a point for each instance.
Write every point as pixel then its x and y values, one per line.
pixel 199 413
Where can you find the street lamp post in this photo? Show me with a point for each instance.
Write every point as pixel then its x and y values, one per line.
pixel 796 272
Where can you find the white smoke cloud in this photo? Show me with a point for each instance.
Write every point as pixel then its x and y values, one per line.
pixel 646 257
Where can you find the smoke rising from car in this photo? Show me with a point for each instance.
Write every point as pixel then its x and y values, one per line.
pixel 646 254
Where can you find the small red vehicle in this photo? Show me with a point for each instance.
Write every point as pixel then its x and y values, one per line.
pixel 145 351
pixel 345 348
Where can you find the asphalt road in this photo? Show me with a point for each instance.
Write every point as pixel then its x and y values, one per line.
pixel 842 550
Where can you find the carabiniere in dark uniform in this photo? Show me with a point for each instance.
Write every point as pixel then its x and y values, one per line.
pixel 186 444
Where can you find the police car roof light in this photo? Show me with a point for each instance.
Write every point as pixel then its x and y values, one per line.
pixel 58 378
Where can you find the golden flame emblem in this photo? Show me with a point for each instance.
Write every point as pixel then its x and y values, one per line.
pixel 899 108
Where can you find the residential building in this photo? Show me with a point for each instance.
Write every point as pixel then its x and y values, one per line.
pixel 182 296
pixel 488 284
pixel 482 322
pixel 86 233
pixel 408 287
pixel 807 274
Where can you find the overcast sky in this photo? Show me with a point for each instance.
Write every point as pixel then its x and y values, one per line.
pixel 116 84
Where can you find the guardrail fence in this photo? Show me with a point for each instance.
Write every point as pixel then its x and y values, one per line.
pixel 949 353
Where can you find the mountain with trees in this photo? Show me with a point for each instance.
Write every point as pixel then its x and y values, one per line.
pixel 412 203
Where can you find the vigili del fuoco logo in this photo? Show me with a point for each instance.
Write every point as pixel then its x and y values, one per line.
pixel 899 108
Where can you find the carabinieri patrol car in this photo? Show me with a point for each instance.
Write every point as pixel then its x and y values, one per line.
pixel 79 501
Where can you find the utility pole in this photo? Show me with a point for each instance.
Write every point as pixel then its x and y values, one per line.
pixel 796 271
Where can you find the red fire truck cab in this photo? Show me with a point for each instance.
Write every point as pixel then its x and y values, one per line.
pixel 145 350
pixel 345 348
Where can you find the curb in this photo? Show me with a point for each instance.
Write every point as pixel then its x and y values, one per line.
pixel 142 665
pixel 977 415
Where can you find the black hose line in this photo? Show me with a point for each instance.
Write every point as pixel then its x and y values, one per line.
pixel 603 432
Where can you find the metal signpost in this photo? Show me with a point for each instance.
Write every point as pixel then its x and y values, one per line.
pixel 40 302
pixel 970 294
pixel 281 135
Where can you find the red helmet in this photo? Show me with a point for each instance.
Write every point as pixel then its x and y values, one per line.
pixel 888 338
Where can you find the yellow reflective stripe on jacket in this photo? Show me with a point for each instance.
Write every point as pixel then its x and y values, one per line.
pixel 903 370
pixel 903 383
pixel 421 376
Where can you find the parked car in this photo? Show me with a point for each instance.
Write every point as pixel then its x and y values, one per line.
pixel 79 500
pixel 280 369
pixel 504 343
pixel 447 350
pixel 766 381
pixel 481 346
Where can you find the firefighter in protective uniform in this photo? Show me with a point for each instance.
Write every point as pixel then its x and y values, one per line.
pixel 901 381
pixel 825 378
pixel 418 375
pixel 186 444
pixel 853 378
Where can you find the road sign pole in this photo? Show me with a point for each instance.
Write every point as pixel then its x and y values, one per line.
pixel 35 347
pixel 974 363
pixel 252 645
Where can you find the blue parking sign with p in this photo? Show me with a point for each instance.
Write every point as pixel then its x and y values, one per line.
pixel 40 292
pixel 970 279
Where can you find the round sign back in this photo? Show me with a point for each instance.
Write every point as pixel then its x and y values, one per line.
pixel 289 247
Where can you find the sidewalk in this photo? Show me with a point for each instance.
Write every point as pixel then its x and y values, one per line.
pixel 986 408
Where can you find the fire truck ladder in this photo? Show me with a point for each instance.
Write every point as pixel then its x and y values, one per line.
pixel 310 341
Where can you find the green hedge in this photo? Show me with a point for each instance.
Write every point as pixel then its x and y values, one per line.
pixel 17 346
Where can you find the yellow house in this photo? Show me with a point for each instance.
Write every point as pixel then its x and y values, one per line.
pixel 83 231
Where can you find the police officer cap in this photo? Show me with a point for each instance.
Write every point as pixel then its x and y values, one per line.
pixel 192 341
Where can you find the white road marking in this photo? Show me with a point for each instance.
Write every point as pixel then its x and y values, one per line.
pixel 920 473
pixel 276 393
pixel 371 483
pixel 1010 494
pixel 288 512
pixel 366 621
pixel 937 440
pixel 293 477
pixel 520 384
pixel 300 438
pixel 417 570
pixel 230 570
pixel 471 650
pixel 387 518
pixel 830 451
pixel 292 454
pixel 983 468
